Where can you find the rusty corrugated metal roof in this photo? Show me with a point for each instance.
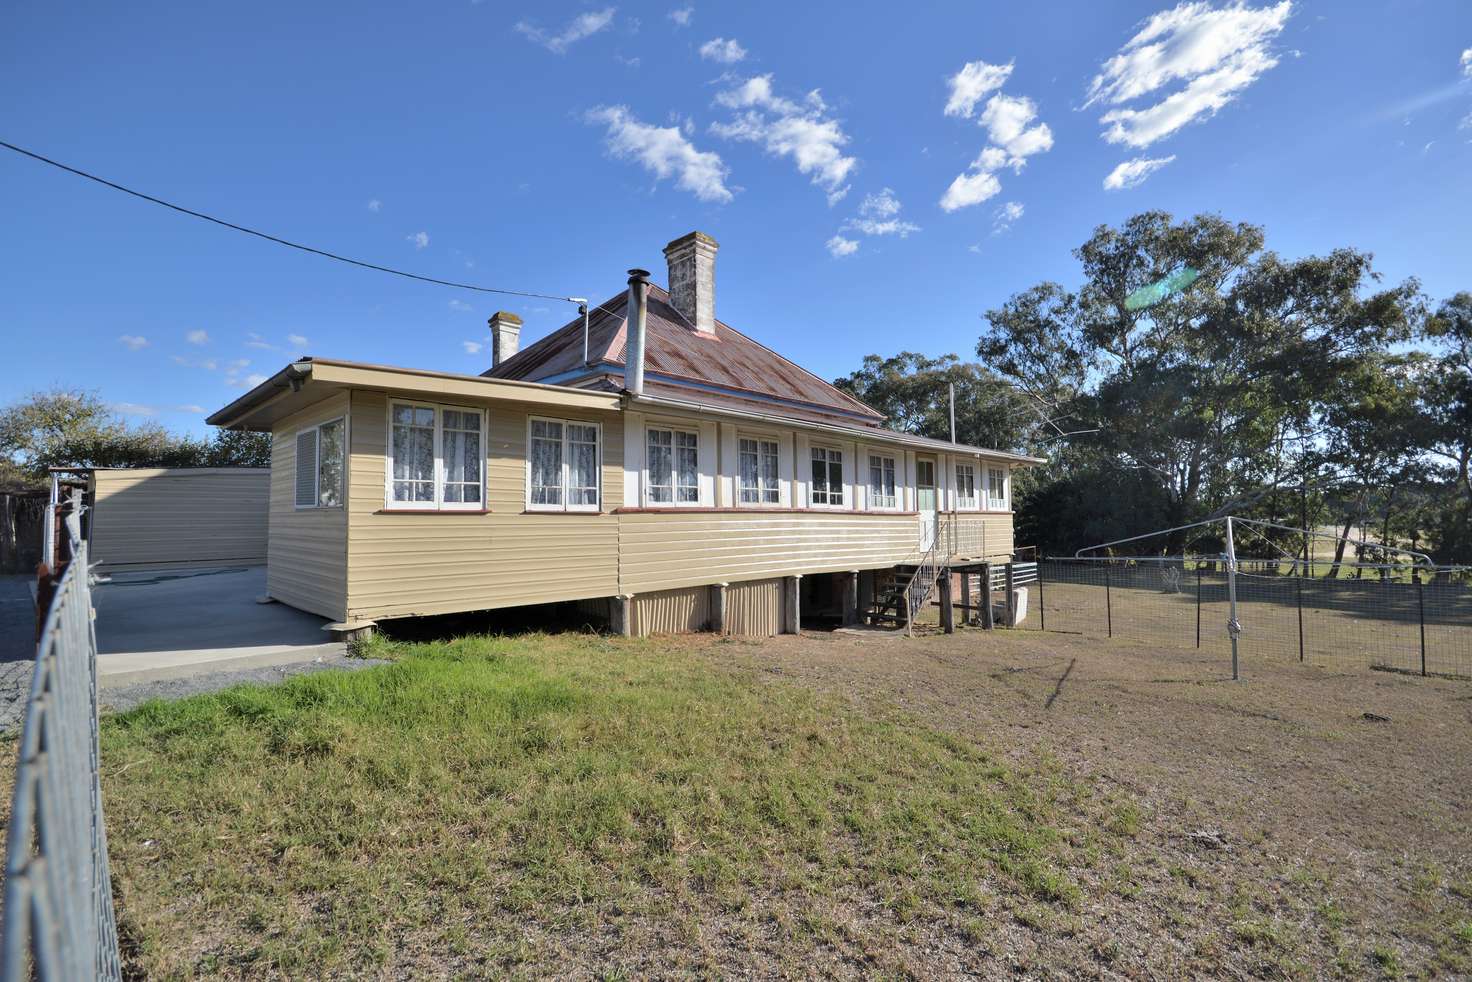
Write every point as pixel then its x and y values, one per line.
pixel 673 348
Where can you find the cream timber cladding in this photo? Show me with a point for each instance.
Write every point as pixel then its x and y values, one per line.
pixel 982 536
pixel 664 551
pixel 307 564
pixel 177 517
pixel 403 562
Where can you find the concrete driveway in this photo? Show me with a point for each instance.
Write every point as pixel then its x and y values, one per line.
pixel 169 624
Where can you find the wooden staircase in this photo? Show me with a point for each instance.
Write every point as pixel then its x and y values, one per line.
pixel 891 597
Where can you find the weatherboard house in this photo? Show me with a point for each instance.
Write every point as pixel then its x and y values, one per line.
pixel 648 463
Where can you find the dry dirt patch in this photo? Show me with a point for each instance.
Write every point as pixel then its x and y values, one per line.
pixel 1301 821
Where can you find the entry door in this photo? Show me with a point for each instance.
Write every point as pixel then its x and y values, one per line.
pixel 925 501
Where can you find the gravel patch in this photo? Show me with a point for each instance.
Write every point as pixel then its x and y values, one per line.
pixel 127 696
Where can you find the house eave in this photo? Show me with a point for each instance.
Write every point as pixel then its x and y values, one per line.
pixel 866 433
pixel 316 378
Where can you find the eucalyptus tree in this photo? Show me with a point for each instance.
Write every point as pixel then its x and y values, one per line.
pixel 1213 387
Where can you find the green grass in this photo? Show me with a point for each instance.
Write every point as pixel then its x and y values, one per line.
pixel 471 805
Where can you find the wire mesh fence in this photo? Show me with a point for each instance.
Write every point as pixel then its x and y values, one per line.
pixel 1382 617
pixel 59 921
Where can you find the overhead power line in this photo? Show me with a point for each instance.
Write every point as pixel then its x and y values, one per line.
pixel 278 240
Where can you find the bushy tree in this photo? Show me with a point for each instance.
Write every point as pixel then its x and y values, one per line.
pixel 1215 391
pixel 74 428
pixel 912 391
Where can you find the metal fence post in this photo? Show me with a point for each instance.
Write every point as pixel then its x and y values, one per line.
pixel 1042 607
pixel 1198 605
pixel 1421 607
pixel 1108 603
pixel 1234 627
pixel 1298 582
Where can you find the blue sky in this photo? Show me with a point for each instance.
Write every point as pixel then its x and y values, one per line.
pixel 876 181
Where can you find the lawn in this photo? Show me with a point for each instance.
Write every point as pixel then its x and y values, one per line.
pixel 569 803
pixel 981 803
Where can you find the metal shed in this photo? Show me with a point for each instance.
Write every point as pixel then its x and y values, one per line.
pixel 179 516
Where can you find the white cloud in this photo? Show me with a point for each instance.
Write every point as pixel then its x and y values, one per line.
pixel 1005 216
pixel 190 408
pixel 1011 126
pixel 664 151
pixel 682 15
pixel 248 382
pixel 970 189
pixel 374 205
pixel 727 51
pixel 878 215
pixel 197 337
pixel 786 128
pixel 580 27
pixel 881 205
pixel 1217 53
pixel 239 363
pixel 297 341
pixel 1132 173
pixel 972 83
pixel 1466 123
pixel 207 364
pixel 472 347
pixel 838 246
pixel 132 409
pixel 460 305
pixel 420 239
pixel 1007 120
pixel 1467 63
pixel 133 341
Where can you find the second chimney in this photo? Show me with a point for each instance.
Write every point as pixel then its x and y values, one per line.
pixel 692 262
pixel 505 336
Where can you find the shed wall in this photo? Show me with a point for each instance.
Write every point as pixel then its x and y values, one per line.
pixel 167 517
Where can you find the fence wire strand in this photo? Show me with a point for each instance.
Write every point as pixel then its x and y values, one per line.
pixel 1388 618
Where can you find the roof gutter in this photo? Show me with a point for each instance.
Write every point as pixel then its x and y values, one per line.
pixel 886 436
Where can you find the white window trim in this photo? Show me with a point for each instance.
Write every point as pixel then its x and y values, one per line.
pixel 438 504
pixel 700 452
pixel 896 458
pixel 845 474
pixel 565 506
pixel 761 436
pixel 984 492
pixel 316 430
pixel 978 487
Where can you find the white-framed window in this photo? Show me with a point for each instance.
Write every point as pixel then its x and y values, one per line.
pixel 321 454
pixel 996 488
pixel 563 458
pixel 756 475
pixel 672 471
pixel 883 492
pixel 827 487
pixel 966 486
pixel 436 457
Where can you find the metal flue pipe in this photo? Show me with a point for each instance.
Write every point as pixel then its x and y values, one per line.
pixel 636 325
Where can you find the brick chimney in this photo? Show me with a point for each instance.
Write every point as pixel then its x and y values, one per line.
pixel 692 262
pixel 505 336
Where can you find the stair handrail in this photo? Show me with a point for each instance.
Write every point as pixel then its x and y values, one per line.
pixel 927 572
